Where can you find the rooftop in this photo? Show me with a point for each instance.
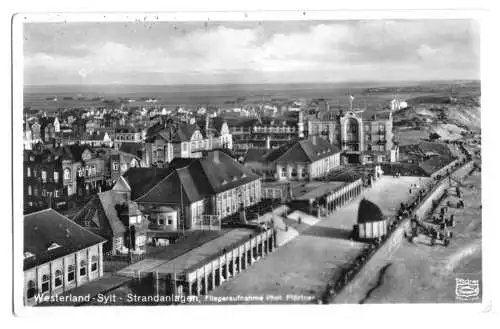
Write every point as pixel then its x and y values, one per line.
pixel 142 180
pixel 186 260
pixel 198 178
pixel 369 212
pixel 305 151
pixel 316 189
pixel 47 228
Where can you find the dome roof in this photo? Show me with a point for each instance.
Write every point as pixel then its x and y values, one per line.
pixel 369 212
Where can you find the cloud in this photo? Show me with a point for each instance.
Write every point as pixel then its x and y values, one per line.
pixel 225 52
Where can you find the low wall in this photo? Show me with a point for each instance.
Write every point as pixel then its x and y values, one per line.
pixel 356 289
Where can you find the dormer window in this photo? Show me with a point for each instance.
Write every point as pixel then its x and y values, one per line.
pixel 224 182
pixel 243 175
pixel 235 179
pixel 28 254
pixel 53 246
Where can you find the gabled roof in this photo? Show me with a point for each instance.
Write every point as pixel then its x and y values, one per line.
pixel 303 151
pixel 198 178
pixel 102 213
pixel 173 132
pixel 142 180
pixel 96 137
pixel 44 228
pixel 131 147
pixel 168 190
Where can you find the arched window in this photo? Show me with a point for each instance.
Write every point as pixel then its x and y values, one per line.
pixel 93 265
pixel 71 273
pixel 45 283
pixel 67 173
pixel 31 289
pixel 58 279
pixel 83 268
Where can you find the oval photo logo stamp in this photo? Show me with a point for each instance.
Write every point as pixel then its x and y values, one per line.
pixel 466 289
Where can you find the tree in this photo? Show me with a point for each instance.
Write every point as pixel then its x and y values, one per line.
pixel 434 136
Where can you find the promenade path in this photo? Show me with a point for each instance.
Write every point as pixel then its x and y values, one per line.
pixel 301 269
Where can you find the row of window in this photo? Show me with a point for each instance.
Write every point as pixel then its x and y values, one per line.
pixel 127 137
pixel 231 205
pixel 116 166
pixel 228 208
pixel 381 127
pixel 318 170
pixel 376 148
pixel 43 174
pixel 245 189
pixel 58 278
pixel 265 129
pixel 294 173
pixel 43 192
pixel 375 138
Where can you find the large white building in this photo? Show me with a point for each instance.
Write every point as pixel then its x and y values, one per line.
pixel 59 255
pixel 304 159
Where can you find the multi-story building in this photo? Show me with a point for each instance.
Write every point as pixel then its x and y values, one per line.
pixel 215 185
pixel 52 176
pixel 43 180
pixel 363 138
pixel 36 132
pixel 59 255
pixel 120 162
pixel 266 132
pixel 100 139
pixel 216 131
pixel 91 126
pixel 47 129
pixel 78 127
pixel 127 134
pixel 114 217
pixel 304 159
pixel 170 140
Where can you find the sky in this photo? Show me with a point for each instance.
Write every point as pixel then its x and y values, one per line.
pixel 173 53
